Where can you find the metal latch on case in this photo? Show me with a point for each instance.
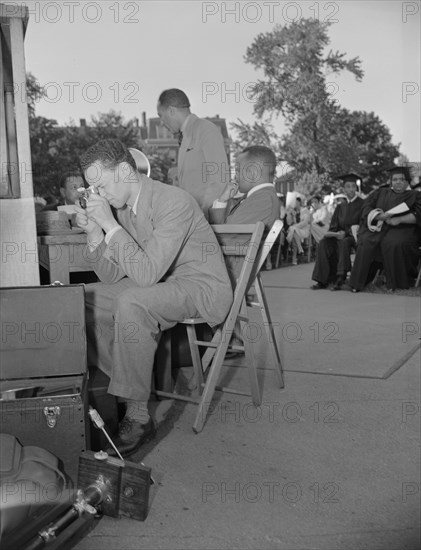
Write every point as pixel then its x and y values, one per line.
pixel 51 414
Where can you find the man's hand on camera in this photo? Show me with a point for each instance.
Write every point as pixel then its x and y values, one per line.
pixel 84 222
pixel 98 209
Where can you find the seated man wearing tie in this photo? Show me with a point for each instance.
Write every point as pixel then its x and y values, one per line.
pixel 390 233
pixel 155 266
pixel 255 169
pixel 333 260
pixel 254 174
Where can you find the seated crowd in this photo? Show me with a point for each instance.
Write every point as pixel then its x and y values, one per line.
pixel 384 231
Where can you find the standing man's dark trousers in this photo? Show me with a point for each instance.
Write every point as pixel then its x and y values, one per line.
pixel 333 259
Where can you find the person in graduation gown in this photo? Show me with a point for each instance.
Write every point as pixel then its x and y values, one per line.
pixel 391 239
pixel 333 260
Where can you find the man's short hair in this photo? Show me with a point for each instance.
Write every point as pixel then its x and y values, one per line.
pixel 261 154
pixel 69 174
pixel 316 198
pixel 109 152
pixel 174 98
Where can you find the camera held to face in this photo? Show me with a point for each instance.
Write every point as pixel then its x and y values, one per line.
pixel 84 194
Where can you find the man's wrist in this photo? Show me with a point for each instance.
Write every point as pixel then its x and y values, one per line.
pixel 110 225
pixel 95 234
pixel 95 238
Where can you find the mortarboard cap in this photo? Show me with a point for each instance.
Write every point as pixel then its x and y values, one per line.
pixel 400 170
pixel 350 177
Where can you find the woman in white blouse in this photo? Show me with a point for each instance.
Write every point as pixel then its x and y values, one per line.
pixel 320 219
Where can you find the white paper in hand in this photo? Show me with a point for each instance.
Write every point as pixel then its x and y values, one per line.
pixel 401 208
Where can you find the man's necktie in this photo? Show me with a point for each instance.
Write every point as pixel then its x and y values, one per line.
pixel 180 137
pixel 237 204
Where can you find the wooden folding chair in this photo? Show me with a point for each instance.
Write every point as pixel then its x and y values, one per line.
pixel 207 369
pixel 278 250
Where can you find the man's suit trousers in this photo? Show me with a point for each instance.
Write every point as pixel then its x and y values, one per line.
pixel 124 323
pixel 333 258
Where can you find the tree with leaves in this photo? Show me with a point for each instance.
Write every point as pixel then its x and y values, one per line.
pixel 323 139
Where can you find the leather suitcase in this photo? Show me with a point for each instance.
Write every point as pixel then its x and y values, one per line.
pixel 43 374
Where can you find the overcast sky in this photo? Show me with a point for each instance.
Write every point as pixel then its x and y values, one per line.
pixel 103 55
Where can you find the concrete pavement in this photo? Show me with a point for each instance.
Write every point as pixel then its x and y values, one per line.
pixel 332 461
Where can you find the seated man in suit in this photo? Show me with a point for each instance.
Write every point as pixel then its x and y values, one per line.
pixel 202 160
pixel 69 184
pixel 391 238
pixel 158 261
pixel 254 174
pixel 333 260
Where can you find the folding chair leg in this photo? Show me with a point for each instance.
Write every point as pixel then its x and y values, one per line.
pixel 267 323
pixel 279 251
pixel 278 255
pixel 210 352
pixel 195 355
pixel 256 393
pixel 209 389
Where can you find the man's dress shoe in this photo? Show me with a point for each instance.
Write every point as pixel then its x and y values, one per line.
pixel 131 436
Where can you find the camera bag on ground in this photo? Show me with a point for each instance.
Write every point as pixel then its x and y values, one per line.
pixel 30 482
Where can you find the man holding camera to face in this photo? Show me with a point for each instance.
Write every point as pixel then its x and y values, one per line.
pixel 158 261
